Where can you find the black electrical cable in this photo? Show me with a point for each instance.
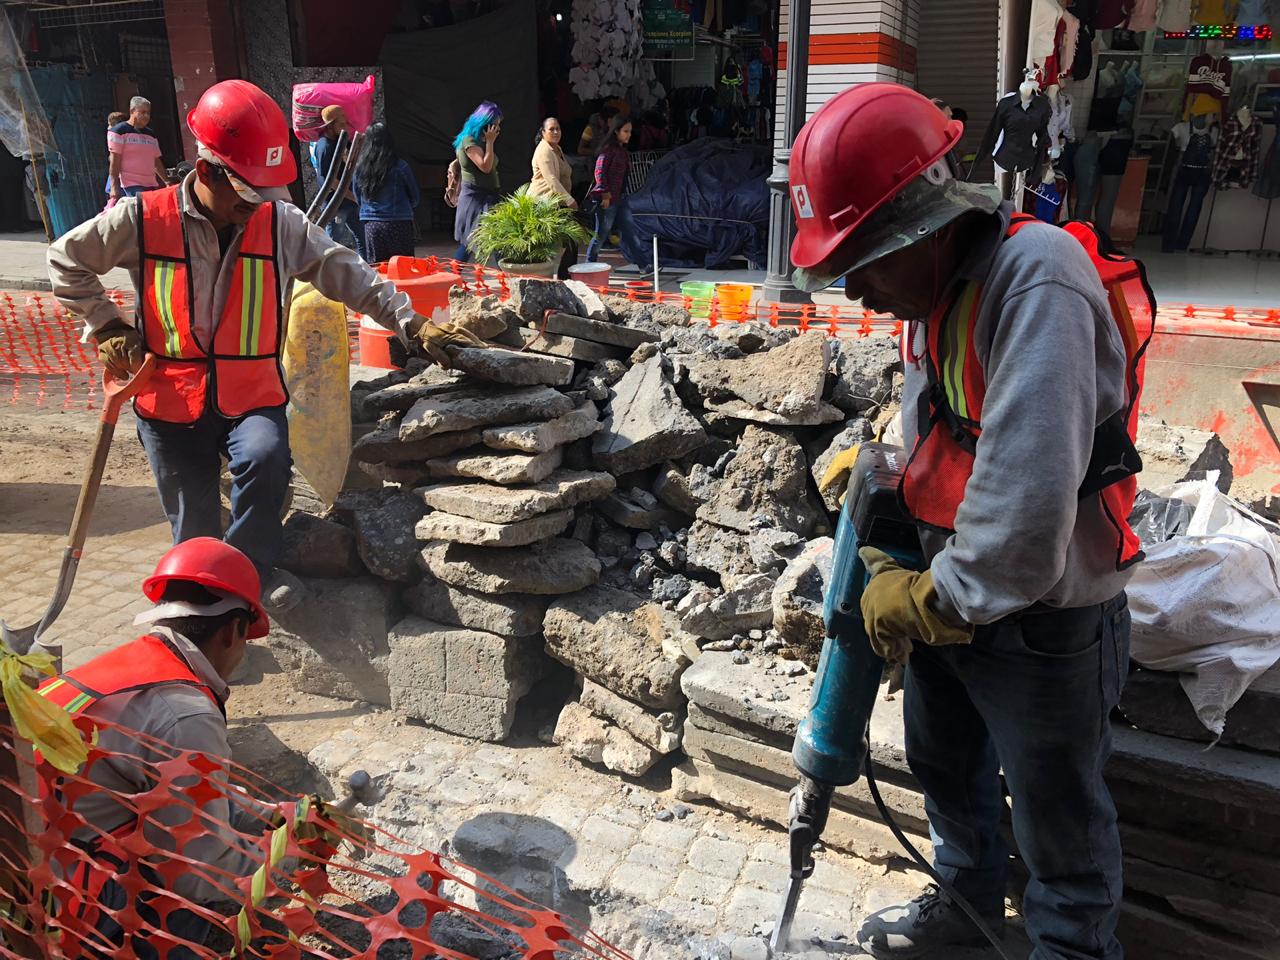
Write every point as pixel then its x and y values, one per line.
pixel 927 867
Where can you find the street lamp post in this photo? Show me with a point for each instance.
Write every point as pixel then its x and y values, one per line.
pixel 777 284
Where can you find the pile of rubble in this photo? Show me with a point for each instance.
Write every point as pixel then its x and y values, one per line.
pixel 606 487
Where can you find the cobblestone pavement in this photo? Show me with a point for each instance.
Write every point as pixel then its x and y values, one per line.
pixel 657 877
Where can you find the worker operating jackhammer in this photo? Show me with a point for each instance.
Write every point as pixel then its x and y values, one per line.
pixel 211 259
pixel 157 697
pixel 1015 408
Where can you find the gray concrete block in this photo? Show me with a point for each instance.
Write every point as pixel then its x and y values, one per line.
pixel 508 614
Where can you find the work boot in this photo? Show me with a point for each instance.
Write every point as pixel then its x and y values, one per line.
pixel 928 923
pixel 281 592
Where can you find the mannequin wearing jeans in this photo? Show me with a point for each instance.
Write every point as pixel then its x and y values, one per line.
pixel 1190 183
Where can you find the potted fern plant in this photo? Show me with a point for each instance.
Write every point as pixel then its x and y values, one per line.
pixel 526 234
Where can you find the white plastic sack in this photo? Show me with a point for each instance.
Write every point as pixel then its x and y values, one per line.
pixel 1207 604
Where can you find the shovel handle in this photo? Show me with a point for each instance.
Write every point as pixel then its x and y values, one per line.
pixel 118 391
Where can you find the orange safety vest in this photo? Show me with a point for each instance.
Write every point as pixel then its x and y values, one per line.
pixel 950 427
pixel 149 661
pixel 244 363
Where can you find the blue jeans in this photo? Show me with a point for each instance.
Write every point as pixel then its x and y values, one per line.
pixel 185 461
pixel 345 228
pixel 134 191
pixel 604 227
pixel 1032 695
pixel 1186 198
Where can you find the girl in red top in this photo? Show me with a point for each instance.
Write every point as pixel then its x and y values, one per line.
pixel 611 178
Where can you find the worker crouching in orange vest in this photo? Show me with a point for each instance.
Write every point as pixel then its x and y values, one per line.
pixel 211 259
pixel 1023 348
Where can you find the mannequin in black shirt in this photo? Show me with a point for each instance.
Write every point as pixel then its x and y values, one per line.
pixel 1021 124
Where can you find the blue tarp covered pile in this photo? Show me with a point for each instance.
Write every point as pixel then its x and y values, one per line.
pixel 707 201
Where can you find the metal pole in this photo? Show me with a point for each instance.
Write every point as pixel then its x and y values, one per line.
pixel 777 284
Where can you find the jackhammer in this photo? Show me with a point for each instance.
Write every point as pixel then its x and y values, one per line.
pixel 831 747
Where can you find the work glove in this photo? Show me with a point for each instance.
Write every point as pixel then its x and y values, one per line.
pixel 900 606
pixel 120 350
pixel 437 337
pixel 837 473
pixel 322 835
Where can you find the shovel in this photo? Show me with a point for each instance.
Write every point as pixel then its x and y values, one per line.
pixel 116 392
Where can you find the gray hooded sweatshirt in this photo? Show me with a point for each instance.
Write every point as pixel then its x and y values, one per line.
pixel 1055 368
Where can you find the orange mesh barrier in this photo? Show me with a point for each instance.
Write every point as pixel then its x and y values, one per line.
pixel 42 360
pixel 210 860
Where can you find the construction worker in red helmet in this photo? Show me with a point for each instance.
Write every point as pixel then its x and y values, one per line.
pixel 1016 634
pixel 168 687
pixel 211 259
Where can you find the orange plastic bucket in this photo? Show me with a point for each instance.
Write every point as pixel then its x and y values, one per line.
pixel 375 344
pixel 735 300
pixel 427 292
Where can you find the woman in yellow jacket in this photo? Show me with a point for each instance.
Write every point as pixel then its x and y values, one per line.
pixel 552 178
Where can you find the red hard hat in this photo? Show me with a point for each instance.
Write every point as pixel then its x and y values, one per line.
pixel 245 129
pixel 854 155
pixel 217 566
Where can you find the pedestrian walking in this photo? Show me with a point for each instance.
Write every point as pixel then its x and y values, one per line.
pixel 478 160
pixel 553 180
pixel 134 153
pixel 388 192
pixel 610 181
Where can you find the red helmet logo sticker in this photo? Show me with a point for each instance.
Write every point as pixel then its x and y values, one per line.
pixel 800 197
pixel 275 156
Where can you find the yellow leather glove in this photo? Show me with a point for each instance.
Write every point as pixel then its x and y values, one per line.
pixel 899 606
pixel 436 337
pixel 120 350
pixel 839 470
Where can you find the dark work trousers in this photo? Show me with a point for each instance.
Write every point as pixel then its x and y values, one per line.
pixel 1186 198
pixel 185 461
pixel 1032 696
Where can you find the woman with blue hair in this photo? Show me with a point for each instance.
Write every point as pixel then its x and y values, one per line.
pixel 479 162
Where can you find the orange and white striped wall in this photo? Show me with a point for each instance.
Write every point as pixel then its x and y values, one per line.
pixel 851 41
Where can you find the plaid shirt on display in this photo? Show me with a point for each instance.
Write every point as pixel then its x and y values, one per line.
pixel 1237 139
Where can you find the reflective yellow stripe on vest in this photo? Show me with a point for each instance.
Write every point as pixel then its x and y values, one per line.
pixel 72 706
pixel 165 273
pixel 251 281
pixel 956 340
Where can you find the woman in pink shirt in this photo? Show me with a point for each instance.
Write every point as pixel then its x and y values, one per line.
pixel 135 153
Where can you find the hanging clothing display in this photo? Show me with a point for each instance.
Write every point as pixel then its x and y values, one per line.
pixel 1060 129
pixel 1110 14
pixel 1254 11
pixel 1210 12
pixel 1068 38
pixel 1268 185
pixel 608 50
pixel 1045 15
pixel 1129 97
pixel 1082 65
pixel 1190 184
pixel 1143 15
pixel 1236 164
pixel 1174 16
pixel 1018 136
pixel 1208 83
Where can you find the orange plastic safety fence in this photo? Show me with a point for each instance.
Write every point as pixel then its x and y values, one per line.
pixel 201 858
pixel 42 358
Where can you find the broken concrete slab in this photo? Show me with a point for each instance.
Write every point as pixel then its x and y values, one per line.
pixel 623 510
pixel 646 423
pixel 384 535
pixel 465 682
pixel 625 754
pixel 748 606
pixel 551 567
pixel 470 407
pixel 714 551
pixel 401 396
pixel 581 733
pixel 620 641
pixel 512 367
pixel 659 731
pixel 532 298
pixel 765 485
pixel 314 547
pixel 591 305
pixel 798 597
pixel 1155 700
pixel 480 501
pixel 1171 454
pixel 738 410
pixel 583 421
pixel 788 381
pixel 558 345
pixel 406 475
pixel 486 317
pixel 501 468
pixel 508 615
pixel 612 334
pixel 673 488
pixel 383 445
pixel 447 526
pixel 864 371
pixel 334 643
